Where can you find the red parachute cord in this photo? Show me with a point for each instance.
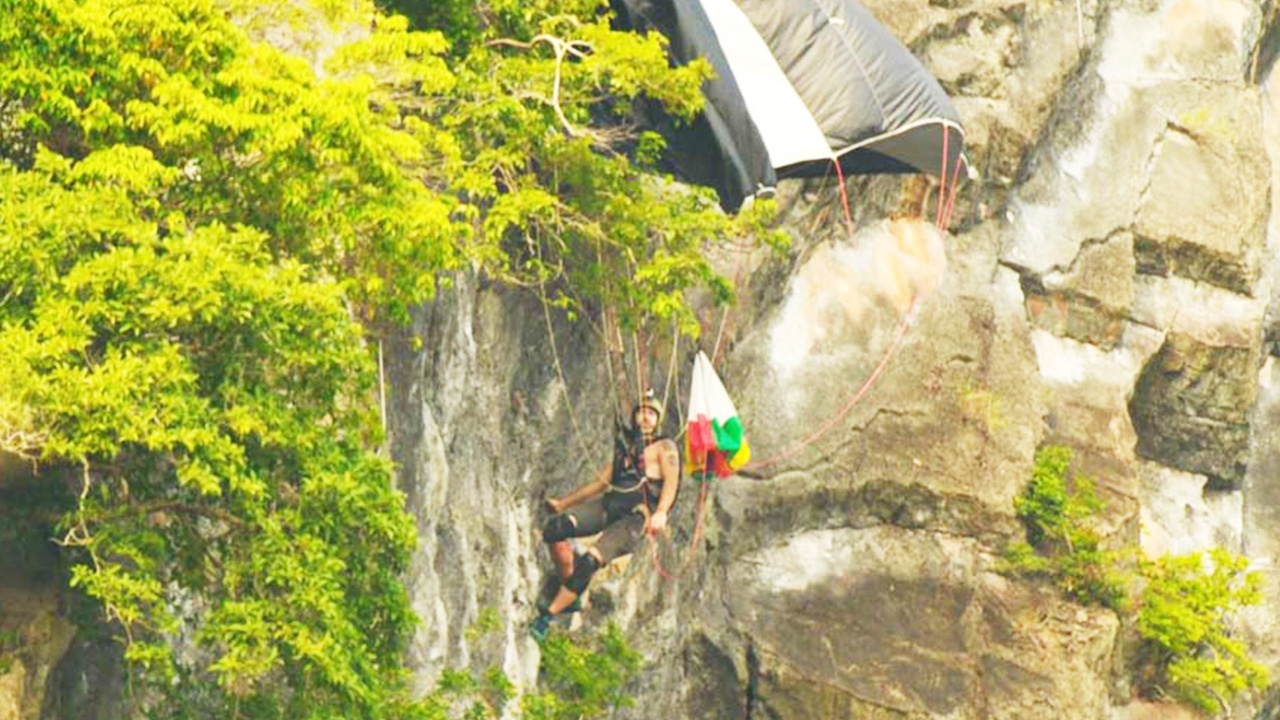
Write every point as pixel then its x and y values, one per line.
pixel 951 197
pixel 942 177
pixel 857 396
pixel 844 195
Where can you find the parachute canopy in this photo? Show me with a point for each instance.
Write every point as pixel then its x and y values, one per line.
pixel 803 84
pixel 714 441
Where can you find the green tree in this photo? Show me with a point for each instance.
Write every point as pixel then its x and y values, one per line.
pixel 1180 606
pixel 546 112
pixel 583 680
pixel 1183 618
pixel 1060 512
pixel 213 403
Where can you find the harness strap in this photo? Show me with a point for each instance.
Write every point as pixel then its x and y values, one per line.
pixel 621 468
pixel 644 483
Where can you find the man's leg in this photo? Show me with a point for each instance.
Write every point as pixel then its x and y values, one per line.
pixel 586 519
pixel 566 598
pixel 576 584
pixel 618 538
pixel 556 534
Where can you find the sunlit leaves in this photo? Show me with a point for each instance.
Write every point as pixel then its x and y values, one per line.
pixel 248 134
pixel 218 395
pixel 1185 613
pixel 197 224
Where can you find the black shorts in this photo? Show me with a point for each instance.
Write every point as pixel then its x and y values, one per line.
pixel 619 519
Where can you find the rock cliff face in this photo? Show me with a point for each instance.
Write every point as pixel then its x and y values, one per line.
pixel 34 632
pixel 1108 284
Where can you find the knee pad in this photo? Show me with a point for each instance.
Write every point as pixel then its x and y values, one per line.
pixel 558 528
pixel 583 568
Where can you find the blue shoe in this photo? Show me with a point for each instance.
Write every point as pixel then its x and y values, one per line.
pixel 539 627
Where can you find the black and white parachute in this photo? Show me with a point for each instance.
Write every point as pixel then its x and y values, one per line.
pixel 804 84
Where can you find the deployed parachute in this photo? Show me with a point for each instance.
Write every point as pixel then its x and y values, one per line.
pixel 714 442
pixel 804 84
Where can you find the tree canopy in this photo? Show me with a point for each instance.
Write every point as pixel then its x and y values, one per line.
pixel 204 207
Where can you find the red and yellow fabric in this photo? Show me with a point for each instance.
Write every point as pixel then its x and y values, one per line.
pixel 714 439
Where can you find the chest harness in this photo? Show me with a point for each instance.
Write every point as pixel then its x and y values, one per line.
pixel 629 483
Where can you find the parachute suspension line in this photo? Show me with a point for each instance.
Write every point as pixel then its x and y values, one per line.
pixel 951 197
pixel 681 420
pixel 639 368
pixel 382 390
pixel 844 195
pixel 606 338
pixel 942 177
pixel 646 352
pixel 555 355
pixel 640 380
pixel 671 368
pixel 903 326
pixel 1079 26
pixel 724 316
pixel 620 391
pixel 653 540
pixel 857 396
pixel 700 512
pixel 715 351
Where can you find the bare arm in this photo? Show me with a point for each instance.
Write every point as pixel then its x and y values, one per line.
pixel 592 488
pixel 670 484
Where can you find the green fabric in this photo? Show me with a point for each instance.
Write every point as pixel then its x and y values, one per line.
pixel 729 435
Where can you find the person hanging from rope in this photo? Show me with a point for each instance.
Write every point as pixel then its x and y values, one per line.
pixel 623 502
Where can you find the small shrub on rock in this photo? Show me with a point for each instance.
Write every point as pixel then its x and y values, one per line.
pixel 1180 606
pixel 1063 543
pixel 1183 620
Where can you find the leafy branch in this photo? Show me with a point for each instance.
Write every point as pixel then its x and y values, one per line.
pixel 562 48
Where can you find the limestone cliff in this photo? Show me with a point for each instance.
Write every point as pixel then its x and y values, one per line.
pixel 1108 285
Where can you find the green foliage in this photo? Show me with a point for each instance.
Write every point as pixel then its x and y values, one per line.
pixel 487 623
pixel 9 640
pixel 583 678
pixel 543 106
pixel 214 398
pixel 1063 542
pixel 460 695
pixel 231 130
pixel 1185 603
pixel 1183 618
pixel 583 681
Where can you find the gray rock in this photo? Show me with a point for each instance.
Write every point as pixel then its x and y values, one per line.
pixel 853 576
pixel 886 622
pixel 1204 211
pixel 1090 301
pixel 1191 408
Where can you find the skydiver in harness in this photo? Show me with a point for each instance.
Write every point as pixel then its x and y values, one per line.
pixel 624 501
